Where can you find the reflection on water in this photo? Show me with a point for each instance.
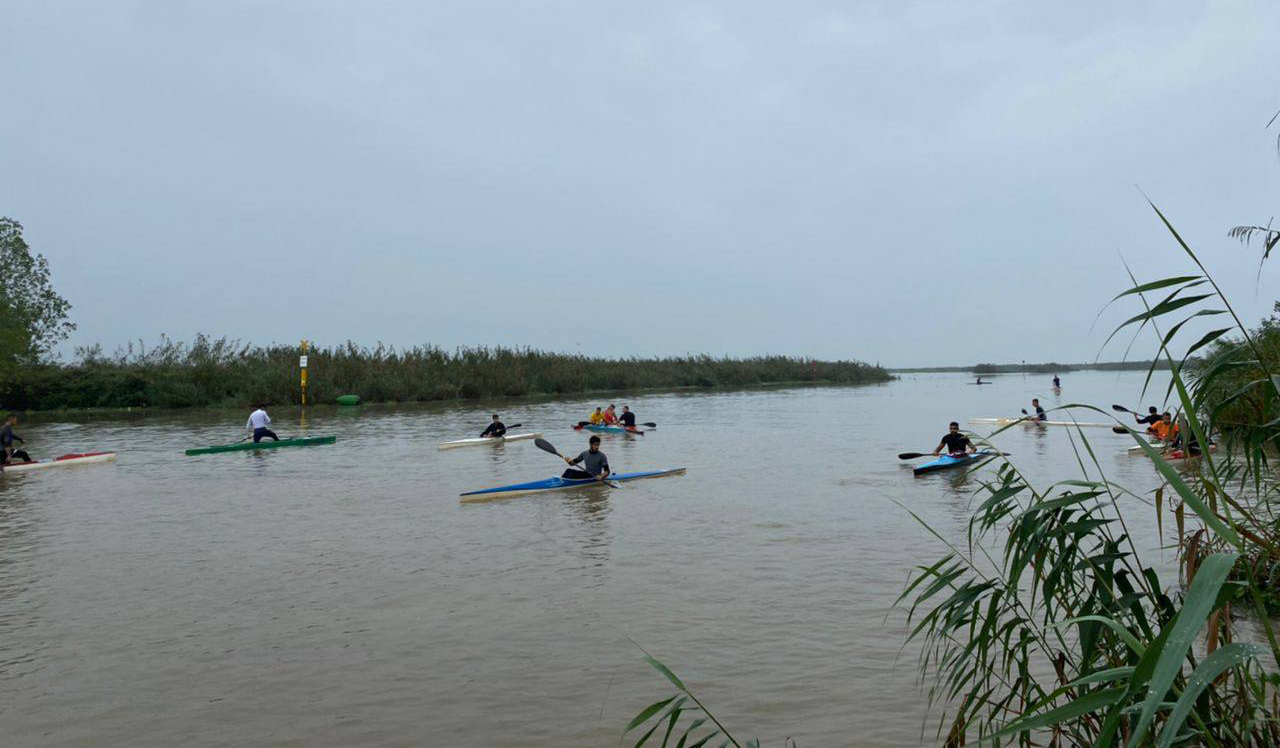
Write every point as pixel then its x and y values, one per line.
pixel 342 595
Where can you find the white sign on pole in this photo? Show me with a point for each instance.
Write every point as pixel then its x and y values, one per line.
pixel 302 361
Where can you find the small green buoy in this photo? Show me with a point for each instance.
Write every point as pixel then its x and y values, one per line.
pixel 348 400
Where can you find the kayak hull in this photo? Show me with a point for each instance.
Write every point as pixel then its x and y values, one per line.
pixel 477 442
pixel 309 441
pixel 559 484
pixel 1174 455
pixel 78 458
pixel 1030 422
pixel 348 400
pixel 947 462
pixel 609 429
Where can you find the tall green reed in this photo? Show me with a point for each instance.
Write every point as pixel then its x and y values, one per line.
pixel 216 372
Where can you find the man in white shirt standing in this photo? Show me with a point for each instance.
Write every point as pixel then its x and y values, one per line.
pixel 258 422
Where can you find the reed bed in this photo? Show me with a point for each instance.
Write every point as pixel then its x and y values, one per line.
pixel 211 372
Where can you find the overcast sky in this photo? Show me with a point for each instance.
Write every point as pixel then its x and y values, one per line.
pixel 914 183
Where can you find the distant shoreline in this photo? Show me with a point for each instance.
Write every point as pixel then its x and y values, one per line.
pixel 1039 368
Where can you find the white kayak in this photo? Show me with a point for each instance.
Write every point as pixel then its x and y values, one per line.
pixel 1137 450
pixel 79 458
pixel 488 440
pixel 1032 422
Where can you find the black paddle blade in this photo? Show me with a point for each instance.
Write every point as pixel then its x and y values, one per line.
pixel 913 455
pixel 1120 429
pixel 650 424
pixel 1121 409
pixel 515 425
pixel 546 446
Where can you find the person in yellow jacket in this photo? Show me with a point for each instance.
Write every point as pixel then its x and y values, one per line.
pixel 597 417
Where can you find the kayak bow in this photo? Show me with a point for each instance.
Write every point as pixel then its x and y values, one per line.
pixel 77 458
pixel 487 440
pixel 558 484
pixel 309 441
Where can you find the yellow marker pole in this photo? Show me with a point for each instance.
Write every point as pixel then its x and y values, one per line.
pixel 302 364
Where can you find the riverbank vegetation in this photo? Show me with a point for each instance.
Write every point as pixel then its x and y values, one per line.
pixel 213 372
pixel 217 372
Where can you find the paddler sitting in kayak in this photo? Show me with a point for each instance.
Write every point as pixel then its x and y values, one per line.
pixel 258 423
pixel 597 417
pixel 497 428
pixel 627 418
pixel 1165 429
pixel 8 452
pixel 594 463
pixel 955 442
pixel 610 416
pixel 1040 414
pixel 1150 419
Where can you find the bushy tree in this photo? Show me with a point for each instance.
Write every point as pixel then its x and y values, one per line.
pixel 33 317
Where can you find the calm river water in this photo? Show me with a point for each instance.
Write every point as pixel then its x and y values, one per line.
pixel 343 596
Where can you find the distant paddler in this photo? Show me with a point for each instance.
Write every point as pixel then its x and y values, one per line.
pixel 8 452
pixel 597 418
pixel 594 463
pixel 627 418
pixel 258 424
pixel 1040 414
pixel 495 429
pixel 1057 383
pixel 610 416
pixel 955 442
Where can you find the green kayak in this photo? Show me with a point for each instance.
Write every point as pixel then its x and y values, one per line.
pixel 309 441
pixel 348 400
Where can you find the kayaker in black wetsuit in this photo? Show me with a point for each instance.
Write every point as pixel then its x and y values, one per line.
pixel 627 418
pixel 1040 414
pixel 594 463
pixel 955 442
pixel 1057 383
pixel 7 451
pixel 1150 419
pixel 497 428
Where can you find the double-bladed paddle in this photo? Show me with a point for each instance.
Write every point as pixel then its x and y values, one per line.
pixel 546 446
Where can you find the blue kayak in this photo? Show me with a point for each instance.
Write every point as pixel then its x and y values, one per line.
pixel 946 462
pixel 557 484
pixel 603 429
